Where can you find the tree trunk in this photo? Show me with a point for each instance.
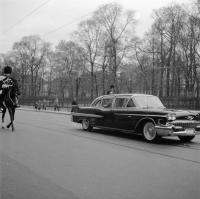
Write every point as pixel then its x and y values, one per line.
pixel 115 67
pixel 153 71
pixel 96 85
pixel 161 67
pixel 92 82
pixel 78 80
pixel 103 79
pixel 32 83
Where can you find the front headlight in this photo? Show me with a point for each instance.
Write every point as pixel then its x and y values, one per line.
pixel 171 117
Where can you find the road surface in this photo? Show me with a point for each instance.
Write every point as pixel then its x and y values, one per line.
pixel 49 157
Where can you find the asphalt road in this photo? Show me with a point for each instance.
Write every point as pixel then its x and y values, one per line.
pixel 49 157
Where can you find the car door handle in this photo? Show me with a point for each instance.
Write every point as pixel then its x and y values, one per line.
pixel 123 115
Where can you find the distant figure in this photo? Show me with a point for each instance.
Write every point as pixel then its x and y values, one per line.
pixel 111 91
pixel 56 104
pixel 39 105
pixel 44 104
pixel 36 105
pixel 74 105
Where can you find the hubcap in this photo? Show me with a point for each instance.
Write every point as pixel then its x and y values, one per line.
pixel 149 131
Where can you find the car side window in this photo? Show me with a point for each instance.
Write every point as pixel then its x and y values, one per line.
pixel 121 102
pixel 107 102
pixel 131 103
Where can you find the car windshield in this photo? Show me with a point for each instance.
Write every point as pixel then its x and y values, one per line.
pixel 148 101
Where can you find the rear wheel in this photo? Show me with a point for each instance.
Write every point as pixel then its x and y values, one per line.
pixel 149 132
pixel 186 138
pixel 86 125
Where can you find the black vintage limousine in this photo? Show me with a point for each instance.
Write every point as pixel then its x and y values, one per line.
pixel 140 114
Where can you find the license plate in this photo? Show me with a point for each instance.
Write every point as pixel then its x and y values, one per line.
pixel 189 131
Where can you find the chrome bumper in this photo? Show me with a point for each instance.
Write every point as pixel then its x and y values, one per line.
pixel 172 130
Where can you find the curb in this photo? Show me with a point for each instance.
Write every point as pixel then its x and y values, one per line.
pixel 44 111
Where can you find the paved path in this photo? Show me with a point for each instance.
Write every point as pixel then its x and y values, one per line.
pixel 49 157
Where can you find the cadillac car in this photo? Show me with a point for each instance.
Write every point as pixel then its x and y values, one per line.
pixel 139 114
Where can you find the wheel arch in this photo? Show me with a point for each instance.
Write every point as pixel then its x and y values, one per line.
pixel 140 124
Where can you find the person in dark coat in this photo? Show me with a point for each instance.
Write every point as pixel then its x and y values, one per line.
pixel 6 79
pixel 74 105
pixel 111 91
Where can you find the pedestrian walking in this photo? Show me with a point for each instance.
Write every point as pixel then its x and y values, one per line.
pixel 56 104
pixel 7 80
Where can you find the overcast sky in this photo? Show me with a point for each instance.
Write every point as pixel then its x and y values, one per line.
pixel 20 18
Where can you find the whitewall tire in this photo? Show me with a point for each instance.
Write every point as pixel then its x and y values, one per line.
pixel 86 125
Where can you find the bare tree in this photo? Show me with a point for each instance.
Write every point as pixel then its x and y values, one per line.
pixel 31 51
pixel 117 25
pixel 89 36
pixel 69 58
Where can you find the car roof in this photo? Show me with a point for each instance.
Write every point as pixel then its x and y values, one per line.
pixel 127 94
pixel 124 95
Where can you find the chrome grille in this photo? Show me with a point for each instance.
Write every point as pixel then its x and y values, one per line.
pixel 186 124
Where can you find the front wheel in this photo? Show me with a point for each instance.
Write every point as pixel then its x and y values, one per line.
pixel 186 138
pixel 86 125
pixel 149 132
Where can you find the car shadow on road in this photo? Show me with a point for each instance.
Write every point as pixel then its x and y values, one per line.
pixel 173 141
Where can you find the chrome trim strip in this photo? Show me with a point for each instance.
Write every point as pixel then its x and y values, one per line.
pixel 86 115
pixel 121 114
pixel 168 131
pixel 184 133
pixel 121 130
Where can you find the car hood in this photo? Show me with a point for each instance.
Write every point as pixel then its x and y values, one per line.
pixel 183 113
pixel 164 111
pixel 179 113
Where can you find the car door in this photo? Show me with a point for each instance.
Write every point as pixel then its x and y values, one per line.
pixel 123 111
pixel 106 111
